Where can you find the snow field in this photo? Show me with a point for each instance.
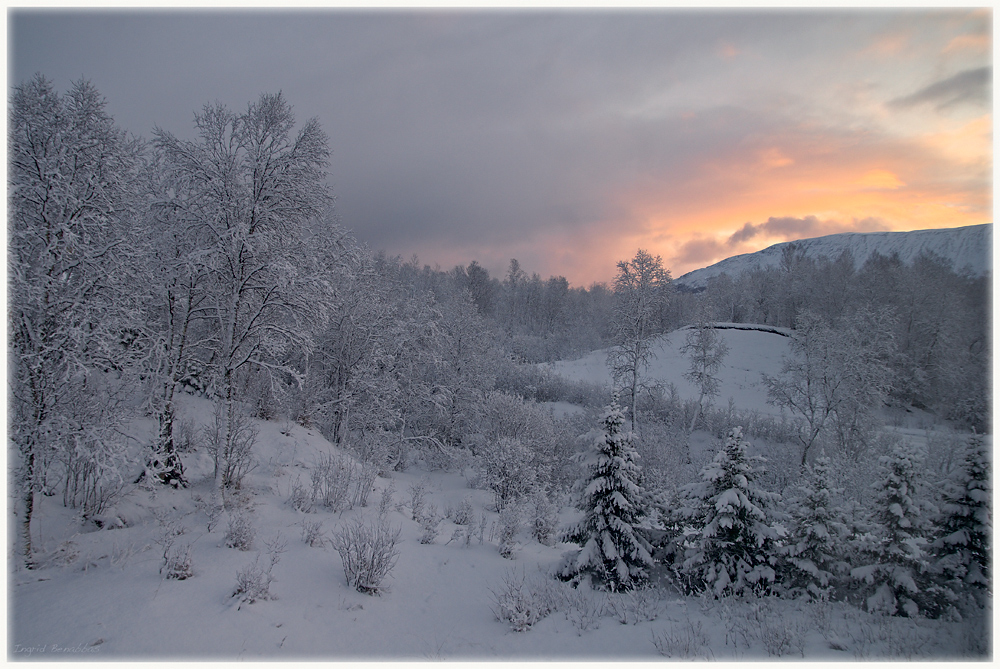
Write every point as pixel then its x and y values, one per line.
pixel 751 353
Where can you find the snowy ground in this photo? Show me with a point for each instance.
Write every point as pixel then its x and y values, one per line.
pixel 751 353
pixel 100 594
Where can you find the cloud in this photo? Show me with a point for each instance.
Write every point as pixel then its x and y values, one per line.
pixel 786 226
pixel 701 250
pixel 967 86
pixel 790 228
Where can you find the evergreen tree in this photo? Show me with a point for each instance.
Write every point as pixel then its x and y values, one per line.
pixel 894 549
pixel 614 504
pixel 817 532
pixel 962 547
pixel 732 550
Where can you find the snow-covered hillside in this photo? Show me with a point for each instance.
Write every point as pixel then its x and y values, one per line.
pixel 751 353
pixel 102 595
pixel 967 247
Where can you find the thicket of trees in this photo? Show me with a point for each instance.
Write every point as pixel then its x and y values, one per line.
pixel 143 269
pixel 935 316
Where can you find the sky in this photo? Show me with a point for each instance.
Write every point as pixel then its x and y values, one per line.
pixel 568 139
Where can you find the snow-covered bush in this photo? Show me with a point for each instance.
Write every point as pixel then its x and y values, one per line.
pixel 508 526
pixel 508 471
pixel 732 546
pixel 961 549
pixel 368 552
pixel 253 582
pixel 817 533
pixel 429 522
pixel 613 503
pixel 313 534
pixel 418 495
pixel 241 531
pixel 385 500
pixel 781 631
pixel 516 600
pixel 545 521
pixel 177 563
pixel 231 446
pixel 684 640
pixel 893 552
pixel 463 515
pixel 642 604
pixel 333 482
pixel 584 607
pixel 300 498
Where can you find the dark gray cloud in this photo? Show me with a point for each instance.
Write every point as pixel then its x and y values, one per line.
pixel 789 227
pixel 703 250
pixel 468 130
pixel 972 86
pixel 786 226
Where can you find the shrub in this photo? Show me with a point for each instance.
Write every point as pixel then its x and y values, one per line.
pixel 686 640
pixel 546 521
pixel 509 525
pixel 508 471
pixel 418 493
pixel 332 478
pixel 177 563
pixel 463 515
pixel 233 454
pixel 429 522
pixel 299 498
pixel 368 552
pixel 253 582
pixel 241 531
pixel 515 601
pixel 313 534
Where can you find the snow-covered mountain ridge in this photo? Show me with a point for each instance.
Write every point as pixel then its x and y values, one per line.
pixel 967 248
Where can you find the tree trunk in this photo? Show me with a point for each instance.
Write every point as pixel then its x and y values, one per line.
pixel 29 508
pixel 697 412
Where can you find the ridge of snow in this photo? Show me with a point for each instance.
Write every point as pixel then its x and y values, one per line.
pixel 967 248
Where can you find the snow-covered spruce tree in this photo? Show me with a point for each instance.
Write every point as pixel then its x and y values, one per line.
pixel 961 549
pixel 893 551
pixel 732 549
pixel 817 532
pixel 613 553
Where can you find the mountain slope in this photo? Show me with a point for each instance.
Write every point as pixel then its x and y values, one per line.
pixel 967 247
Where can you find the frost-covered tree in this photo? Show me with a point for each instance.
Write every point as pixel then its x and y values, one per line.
pixel 706 349
pixel 835 379
pixel 248 185
pixel 865 347
pixel 893 552
pixel 74 327
pixel 962 547
pixel 642 291
pixel 613 552
pixel 809 383
pixel 732 547
pixel 817 532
